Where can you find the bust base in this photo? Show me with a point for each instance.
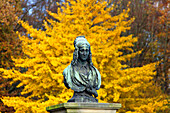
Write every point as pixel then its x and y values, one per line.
pixel 84 107
pixel 82 97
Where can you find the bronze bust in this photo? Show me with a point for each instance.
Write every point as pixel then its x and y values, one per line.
pixel 81 76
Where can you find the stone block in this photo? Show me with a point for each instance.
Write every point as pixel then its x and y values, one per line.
pixel 84 107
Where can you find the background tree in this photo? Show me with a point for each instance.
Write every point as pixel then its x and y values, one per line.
pixel 151 28
pixel 10 11
pixel 162 8
pixel 9 45
pixel 50 51
pixel 34 11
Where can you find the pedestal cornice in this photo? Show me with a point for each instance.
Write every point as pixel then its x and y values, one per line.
pixel 83 107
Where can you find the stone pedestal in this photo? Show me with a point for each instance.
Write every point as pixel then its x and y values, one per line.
pixel 84 107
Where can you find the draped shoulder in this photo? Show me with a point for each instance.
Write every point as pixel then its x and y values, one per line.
pixel 67 76
pixel 98 78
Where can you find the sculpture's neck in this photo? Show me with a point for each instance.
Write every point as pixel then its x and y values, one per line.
pixel 82 62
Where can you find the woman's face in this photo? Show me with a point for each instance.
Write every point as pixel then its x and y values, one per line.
pixel 83 53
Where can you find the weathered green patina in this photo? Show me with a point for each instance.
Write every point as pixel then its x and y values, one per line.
pixel 81 76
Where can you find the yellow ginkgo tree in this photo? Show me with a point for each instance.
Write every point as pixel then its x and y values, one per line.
pixel 50 51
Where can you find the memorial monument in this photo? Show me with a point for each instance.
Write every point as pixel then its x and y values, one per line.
pixel 82 77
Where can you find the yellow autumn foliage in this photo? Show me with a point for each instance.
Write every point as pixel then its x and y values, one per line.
pixel 49 52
